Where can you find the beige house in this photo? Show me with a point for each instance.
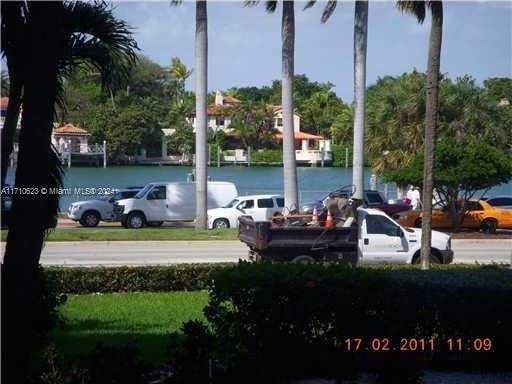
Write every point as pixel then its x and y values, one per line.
pixel 309 149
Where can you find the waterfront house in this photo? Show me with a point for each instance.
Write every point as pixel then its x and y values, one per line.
pixel 69 138
pixel 310 149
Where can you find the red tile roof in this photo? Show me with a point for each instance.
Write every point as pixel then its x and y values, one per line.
pixel 301 135
pixel 230 100
pixel 70 129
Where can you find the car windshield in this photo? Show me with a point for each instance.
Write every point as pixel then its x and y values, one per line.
pixel 232 203
pixel 104 197
pixel 143 191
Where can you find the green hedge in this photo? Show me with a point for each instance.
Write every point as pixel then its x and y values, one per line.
pixel 292 320
pixel 182 277
pixel 267 156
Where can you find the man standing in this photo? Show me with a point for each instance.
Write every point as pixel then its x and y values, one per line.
pixel 415 198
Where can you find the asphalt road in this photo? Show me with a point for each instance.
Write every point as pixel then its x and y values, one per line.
pixel 83 253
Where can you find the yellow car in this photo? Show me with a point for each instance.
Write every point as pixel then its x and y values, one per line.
pixel 478 215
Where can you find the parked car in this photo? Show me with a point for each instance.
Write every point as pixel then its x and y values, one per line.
pixel 89 212
pixel 502 202
pixel 372 199
pixel 163 201
pixel 259 207
pixel 478 214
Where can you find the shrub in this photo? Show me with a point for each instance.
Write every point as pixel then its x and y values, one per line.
pixel 267 156
pixel 291 320
pixel 182 277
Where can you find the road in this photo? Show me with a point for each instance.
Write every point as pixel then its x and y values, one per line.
pixel 172 252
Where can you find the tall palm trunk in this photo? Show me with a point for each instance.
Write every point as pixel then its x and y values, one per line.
pixel 431 114
pixel 360 39
pixel 32 214
pixel 289 160
pixel 201 116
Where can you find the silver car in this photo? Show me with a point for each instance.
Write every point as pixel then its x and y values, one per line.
pixel 89 212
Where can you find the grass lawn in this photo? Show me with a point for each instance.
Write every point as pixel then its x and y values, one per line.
pixel 119 234
pixel 117 318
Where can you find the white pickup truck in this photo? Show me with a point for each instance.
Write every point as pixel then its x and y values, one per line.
pixel 373 237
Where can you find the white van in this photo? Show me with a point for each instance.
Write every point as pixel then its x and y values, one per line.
pixel 159 202
pixel 259 207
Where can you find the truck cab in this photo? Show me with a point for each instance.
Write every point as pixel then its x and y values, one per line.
pixel 383 240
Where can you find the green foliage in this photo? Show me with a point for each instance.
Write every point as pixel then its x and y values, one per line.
pixel 182 141
pixel 253 124
pixel 132 128
pixel 320 111
pixel 459 169
pixel 395 116
pixel 339 153
pixel 182 277
pixel 279 321
pixel 342 129
pixel 267 156
pixel 146 79
pixel 499 88
pixel 252 94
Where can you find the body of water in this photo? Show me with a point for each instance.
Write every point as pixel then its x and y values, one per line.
pixel 314 183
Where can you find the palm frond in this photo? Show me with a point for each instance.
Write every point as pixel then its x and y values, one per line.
pixel 309 4
pixel 250 3
pixel 90 26
pixel 271 6
pixel 328 10
pixel 415 8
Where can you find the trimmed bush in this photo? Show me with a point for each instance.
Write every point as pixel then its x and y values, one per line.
pixel 291 320
pixel 267 156
pixel 182 277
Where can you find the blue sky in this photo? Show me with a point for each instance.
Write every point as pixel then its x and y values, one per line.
pixel 245 43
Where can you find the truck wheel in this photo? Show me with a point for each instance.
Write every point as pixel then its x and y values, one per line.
pixel 90 219
pixel 220 223
pixel 434 259
pixel 135 220
pixel 155 224
pixel 489 225
pixel 304 259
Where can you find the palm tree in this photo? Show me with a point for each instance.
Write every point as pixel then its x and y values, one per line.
pixel 418 9
pixel 55 51
pixel 360 40
pixel 291 195
pixel 180 74
pixel 201 114
pixel 91 35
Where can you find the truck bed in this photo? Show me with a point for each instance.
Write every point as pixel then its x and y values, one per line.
pixel 288 242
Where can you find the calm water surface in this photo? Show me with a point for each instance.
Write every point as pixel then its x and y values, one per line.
pixel 314 183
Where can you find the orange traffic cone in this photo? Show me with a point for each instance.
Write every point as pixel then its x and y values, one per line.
pixel 314 221
pixel 329 223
